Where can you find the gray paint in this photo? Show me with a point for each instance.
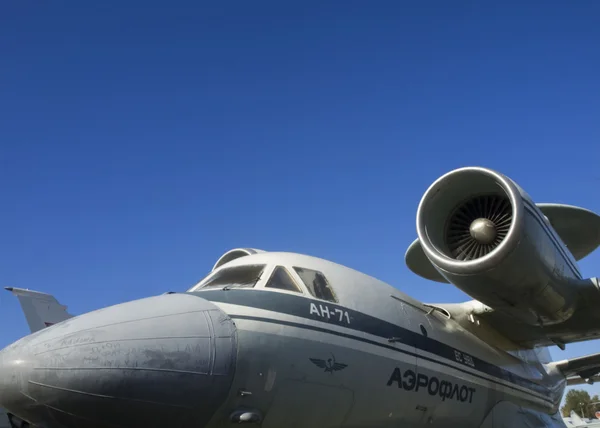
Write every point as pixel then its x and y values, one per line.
pixel 163 361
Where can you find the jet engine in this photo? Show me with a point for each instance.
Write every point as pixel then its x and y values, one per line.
pixel 483 234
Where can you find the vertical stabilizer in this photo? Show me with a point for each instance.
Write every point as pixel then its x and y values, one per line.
pixel 41 309
pixel 576 420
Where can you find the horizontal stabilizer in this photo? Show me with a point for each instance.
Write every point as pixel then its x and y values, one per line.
pixel 579 370
pixel 41 309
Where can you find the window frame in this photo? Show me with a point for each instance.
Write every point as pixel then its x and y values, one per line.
pixel 335 300
pixel 301 291
pixel 200 286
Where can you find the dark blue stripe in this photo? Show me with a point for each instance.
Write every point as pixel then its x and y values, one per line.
pixel 535 213
pixel 300 306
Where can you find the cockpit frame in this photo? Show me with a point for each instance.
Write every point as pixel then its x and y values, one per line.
pixel 265 276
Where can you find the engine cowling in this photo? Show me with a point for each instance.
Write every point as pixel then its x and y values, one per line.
pixel 484 234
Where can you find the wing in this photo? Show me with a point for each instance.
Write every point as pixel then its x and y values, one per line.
pixel 339 366
pixel 318 362
pixel 418 263
pixel 485 322
pixel 578 228
pixel 579 370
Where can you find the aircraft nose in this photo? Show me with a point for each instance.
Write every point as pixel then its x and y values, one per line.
pixel 163 361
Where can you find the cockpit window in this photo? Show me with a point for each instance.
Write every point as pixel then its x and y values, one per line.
pixel 281 279
pixel 237 276
pixel 316 283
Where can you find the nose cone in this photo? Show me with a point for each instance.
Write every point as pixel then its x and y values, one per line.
pixel 162 361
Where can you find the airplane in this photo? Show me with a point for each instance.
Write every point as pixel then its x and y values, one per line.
pixel 575 421
pixel 276 339
pixel 41 310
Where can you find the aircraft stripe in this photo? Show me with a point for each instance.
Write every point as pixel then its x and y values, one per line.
pixel 299 306
pixel 525 390
pixel 534 211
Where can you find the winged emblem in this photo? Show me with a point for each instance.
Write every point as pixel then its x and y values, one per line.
pixel 329 365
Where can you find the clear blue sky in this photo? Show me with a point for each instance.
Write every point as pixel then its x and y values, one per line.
pixel 138 143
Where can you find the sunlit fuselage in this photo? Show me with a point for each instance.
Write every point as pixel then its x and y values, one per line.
pixel 365 356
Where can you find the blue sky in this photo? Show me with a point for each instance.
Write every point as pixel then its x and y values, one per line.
pixel 140 142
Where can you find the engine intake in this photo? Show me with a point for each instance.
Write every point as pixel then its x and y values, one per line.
pixel 469 218
pixel 478 226
pixel 483 234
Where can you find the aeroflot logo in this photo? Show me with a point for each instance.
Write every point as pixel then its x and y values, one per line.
pixel 446 390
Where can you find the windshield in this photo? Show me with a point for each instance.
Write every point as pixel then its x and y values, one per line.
pixel 316 283
pixel 282 280
pixel 238 276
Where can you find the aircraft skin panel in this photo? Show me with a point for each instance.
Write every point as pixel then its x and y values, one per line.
pixel 397 391
pixel 267 325
pixel 375 345
pixel 520 395
pixel 279 329
pixel 136 351
pixel 508 415
pixel 41 310
pixel 276 320
pixel 487 363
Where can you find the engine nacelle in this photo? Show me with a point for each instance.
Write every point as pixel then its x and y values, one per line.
pixel 483 234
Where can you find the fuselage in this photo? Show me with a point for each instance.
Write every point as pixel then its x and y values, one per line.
pixel 367 355
pixel 4 423
pixel 282 339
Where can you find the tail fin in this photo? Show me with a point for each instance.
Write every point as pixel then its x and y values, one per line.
pixel 576 419
pixel 41 309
